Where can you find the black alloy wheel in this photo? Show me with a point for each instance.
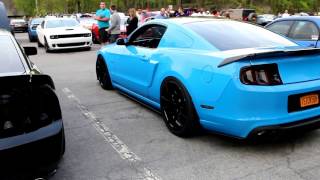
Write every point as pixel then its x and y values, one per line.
pixel 103 74
pixel 177 109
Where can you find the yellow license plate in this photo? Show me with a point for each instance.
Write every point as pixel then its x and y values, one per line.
pixel 309 100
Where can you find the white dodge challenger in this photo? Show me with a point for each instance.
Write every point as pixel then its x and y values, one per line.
pixel 63 33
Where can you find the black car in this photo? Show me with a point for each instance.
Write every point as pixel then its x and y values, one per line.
pixel 4 20
pixel 32 138
pixel 19 25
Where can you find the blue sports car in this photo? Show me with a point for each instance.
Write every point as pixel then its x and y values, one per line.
pixel 225 76
pixel 32 28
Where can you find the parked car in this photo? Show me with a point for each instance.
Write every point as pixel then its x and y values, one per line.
pixel 255 83
pixel 4 20
pixel 303 30
pixel 19 25
pixel 63 33
pixel 32 28
pixel 240 14
pixel 87 22
pixel 31 129
pixel 265 19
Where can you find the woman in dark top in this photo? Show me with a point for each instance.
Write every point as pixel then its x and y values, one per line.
pixel 132 21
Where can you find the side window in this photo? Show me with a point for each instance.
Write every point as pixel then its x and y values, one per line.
pixel 149 36
pixel 42 25
pixel 304 30
pixel 281 27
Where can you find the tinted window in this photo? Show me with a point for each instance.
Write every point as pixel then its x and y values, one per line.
pixel 10 59
pixel 304 30
pixel 148 36
pixel 61 23
pixel 228 35
pixel 281 27
pixel 36 21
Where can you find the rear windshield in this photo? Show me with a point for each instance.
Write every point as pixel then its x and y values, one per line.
pixel 10 61
pixel 228 35
pixel 61 23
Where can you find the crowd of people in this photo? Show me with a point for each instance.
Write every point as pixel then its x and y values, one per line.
pixel 109 20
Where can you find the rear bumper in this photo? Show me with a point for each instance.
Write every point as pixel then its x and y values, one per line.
pixel 32 153
pixel 242 110
pixel 286 129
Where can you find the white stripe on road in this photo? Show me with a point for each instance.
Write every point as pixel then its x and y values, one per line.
pixel 121 148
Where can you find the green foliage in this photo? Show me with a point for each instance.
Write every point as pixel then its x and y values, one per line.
pixel 72 6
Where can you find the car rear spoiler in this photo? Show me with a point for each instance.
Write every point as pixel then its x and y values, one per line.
pixel 268 54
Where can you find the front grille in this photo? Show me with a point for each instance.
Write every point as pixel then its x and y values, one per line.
pixel 71 44
pixel 72 35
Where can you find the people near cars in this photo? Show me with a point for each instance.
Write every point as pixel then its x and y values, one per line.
pixel 285 14
pixel 162 14
pixel 179 12
pixel 114 29
pixel 132 22
pixel 103 17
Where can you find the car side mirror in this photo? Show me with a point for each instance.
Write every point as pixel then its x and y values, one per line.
pixel 30 51
pixel 122 41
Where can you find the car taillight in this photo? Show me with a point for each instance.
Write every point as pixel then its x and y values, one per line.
pixel 263 75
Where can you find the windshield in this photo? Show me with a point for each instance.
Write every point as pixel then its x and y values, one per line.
pixel 10 59
pixel 229 35
pixel 36 21
pixel 56 23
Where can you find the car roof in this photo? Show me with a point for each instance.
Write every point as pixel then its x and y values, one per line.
pixel 312 18
pixel 54 19
pixel 188 20
pixel 4 32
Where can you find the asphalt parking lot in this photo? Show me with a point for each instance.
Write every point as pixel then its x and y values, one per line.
pixel 109 136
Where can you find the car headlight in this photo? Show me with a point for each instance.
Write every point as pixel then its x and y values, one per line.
pixel 87 35
pixel 54 37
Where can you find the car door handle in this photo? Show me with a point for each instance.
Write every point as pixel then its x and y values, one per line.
pixel 144 58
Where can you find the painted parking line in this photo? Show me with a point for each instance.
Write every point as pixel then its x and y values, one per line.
pixel 121 148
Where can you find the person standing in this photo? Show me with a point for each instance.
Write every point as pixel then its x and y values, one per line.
pixel 103 17
pixel 162 14
pixel 114 29
pixel 132 21
pixel 285 14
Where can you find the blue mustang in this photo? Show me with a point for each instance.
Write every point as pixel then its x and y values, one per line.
pixel 32 28
pixel 224 76
pixel 303 30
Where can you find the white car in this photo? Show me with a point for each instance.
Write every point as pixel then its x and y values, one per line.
pixel 63 33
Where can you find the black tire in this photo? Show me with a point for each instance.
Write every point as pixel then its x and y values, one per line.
pixel 39 44
pixel 30 38
pixel 46 46
pixel 103 75
pixel 177 109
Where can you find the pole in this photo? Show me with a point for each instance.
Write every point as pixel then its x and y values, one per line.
pixel 37 10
